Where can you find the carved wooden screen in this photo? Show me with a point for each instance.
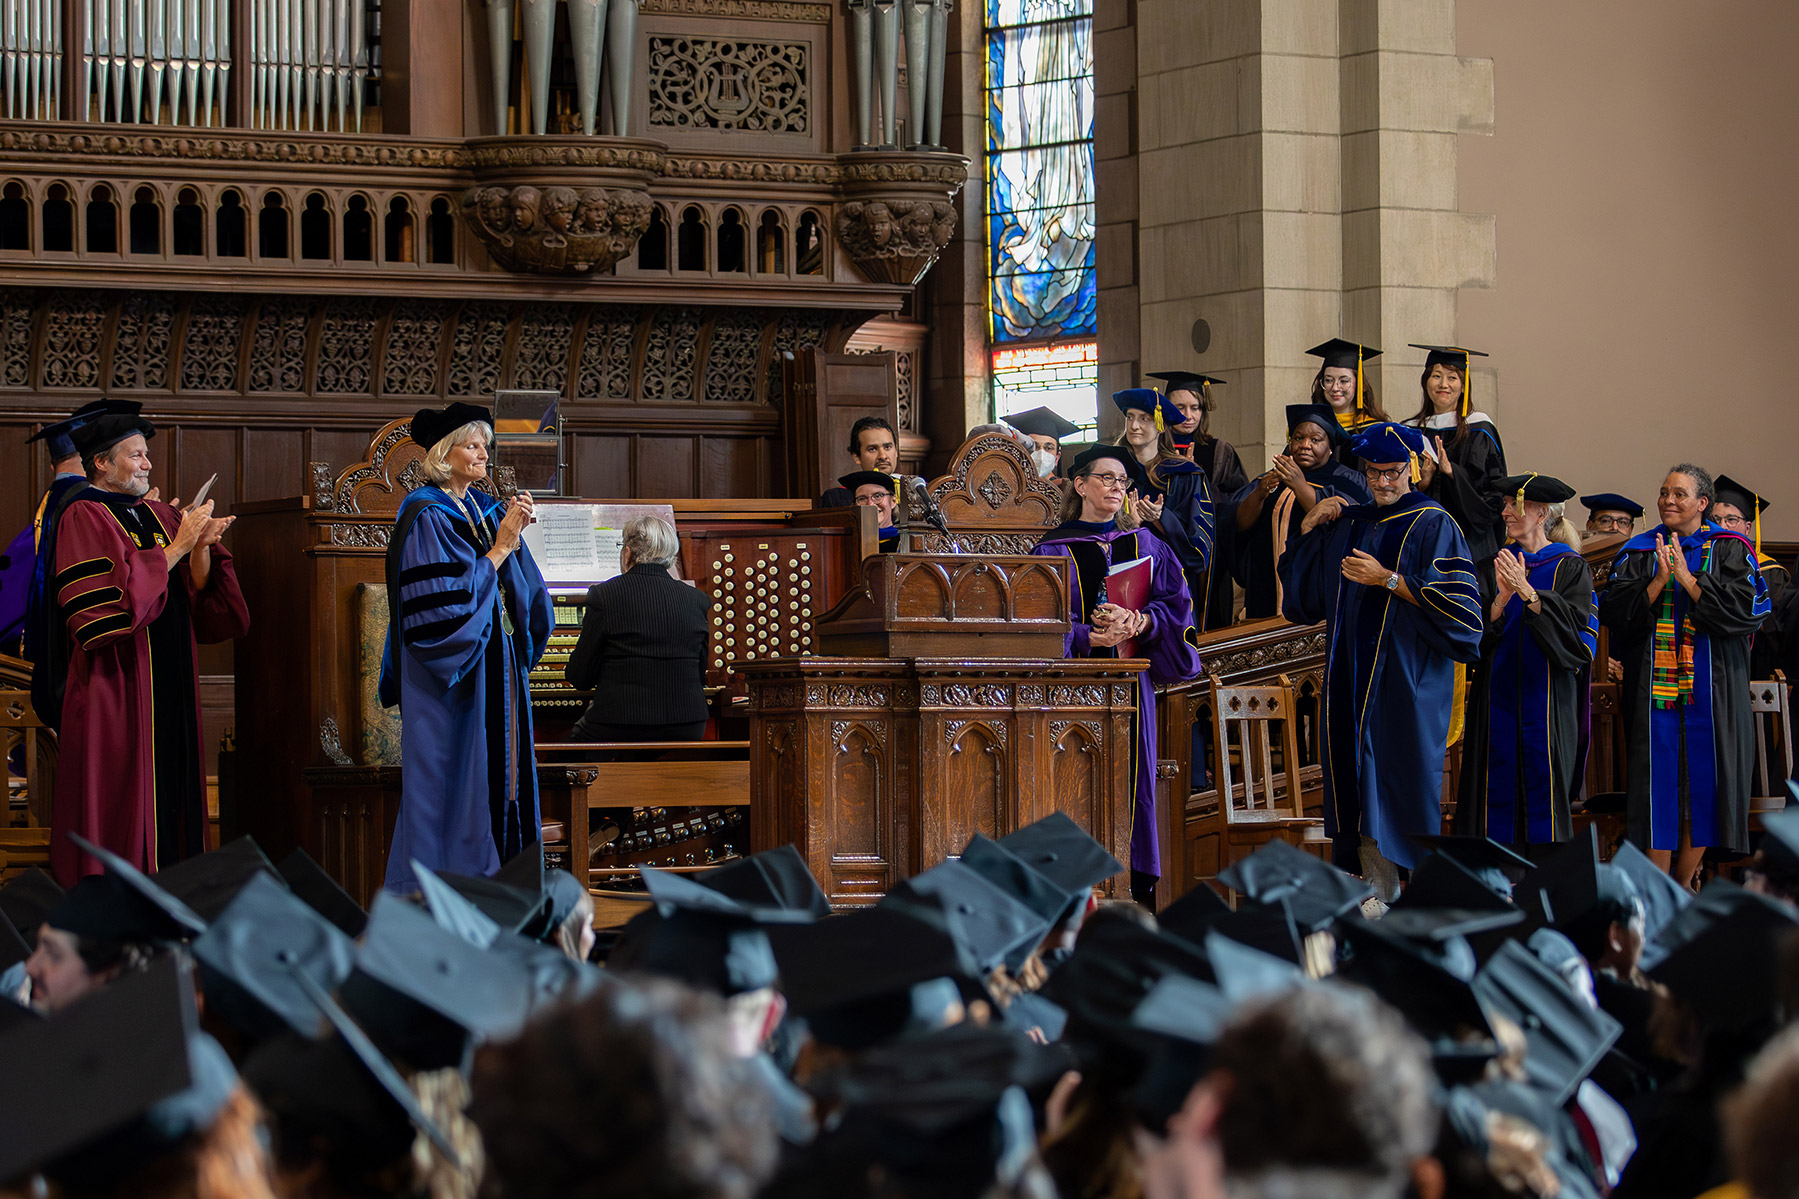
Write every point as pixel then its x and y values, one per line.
pixel 992 499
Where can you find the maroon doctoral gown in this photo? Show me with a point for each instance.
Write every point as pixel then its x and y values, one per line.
pixel 132 772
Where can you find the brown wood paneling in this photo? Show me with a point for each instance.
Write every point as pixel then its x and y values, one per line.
pixel 730 466
pixel 274 463
pixel 601 466
pixel 202 452
pixel 665 466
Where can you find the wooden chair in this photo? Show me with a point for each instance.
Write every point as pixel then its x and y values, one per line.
pixel 1773 744
pixel 19 725
pixel 1259 797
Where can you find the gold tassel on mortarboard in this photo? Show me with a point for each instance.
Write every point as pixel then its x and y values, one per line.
pixel 1467 387
pixel 1417 471
pixel 1358 400
pixel 1160 423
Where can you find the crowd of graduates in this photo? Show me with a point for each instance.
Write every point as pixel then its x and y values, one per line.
pixel 1568 1029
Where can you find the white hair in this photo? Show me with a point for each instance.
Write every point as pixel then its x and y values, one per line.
pixel 434 467
pixel 1562 529
pixel 651 540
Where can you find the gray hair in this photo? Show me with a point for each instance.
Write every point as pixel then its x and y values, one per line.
pixel 1702 481
pixel 651 540
pixel 434 467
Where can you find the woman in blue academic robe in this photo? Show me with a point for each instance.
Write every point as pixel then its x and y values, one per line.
pixel 470 617
pixel 1682 603
pixel 1099 531
pixel 1394 583
pixel 1174 497
pixel 1524 750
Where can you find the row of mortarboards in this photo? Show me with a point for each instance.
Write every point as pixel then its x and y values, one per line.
pixel 957 1000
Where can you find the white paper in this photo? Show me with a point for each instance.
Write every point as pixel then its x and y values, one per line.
pixel 578 545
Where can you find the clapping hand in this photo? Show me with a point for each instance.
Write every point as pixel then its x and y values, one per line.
pixel 1365 568
pixel 521 510
pixel 1149 510
pixel 1443 466
pixel 1288 470
pixel 1509 568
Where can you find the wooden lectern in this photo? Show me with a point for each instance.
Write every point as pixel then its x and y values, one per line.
pixel 980 606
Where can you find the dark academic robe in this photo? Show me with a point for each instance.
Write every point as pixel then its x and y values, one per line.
pixel 460 648
pixel 1224 472
pixel 1523 752
pixel 1479 461
pixel 1352 426
pixel 46 647
pixel 1259 548
pixel 131 776
pixel 836 497
pixel 1170 644
pixel 1765 650
pixel 1187 525
pixel 1465 504
pixel 1389 674
pixel 16 561
pixel 1702 749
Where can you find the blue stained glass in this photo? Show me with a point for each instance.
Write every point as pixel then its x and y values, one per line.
pixel 1039 169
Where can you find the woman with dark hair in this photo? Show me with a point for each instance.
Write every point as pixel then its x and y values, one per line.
pixel 1344 385
pixel 1191 395
pixel 1466 441
pixel 1174 497
pixel 1683 601
pixel 1099 534
pixel 470 618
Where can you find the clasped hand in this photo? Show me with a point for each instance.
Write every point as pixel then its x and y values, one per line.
pixel 1512 575
pixel 1671 562
pixel 1149 510
pixel 1364 568
pixel 1112 625
pixel 198 528
pixel 521 510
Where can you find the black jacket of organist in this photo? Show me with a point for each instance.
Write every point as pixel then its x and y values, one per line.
pixel 643 649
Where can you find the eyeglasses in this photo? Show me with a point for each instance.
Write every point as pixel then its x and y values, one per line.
pixel 1734 521
pixel 869 501
pixel 1110 481
pixel 1611 524
pixel 1391 474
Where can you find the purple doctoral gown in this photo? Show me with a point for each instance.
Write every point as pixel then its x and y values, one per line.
pixel 458 667
pixel 1170 643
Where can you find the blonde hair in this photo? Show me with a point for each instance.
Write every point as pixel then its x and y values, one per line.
pixel 434 467
pixel 651 540
pixel 1560 528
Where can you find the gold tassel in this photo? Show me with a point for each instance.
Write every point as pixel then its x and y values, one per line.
pixel 1358 390
pixel 1127 503
pixel 1521 487
pixel 1160 424
pixel 1467 386
pixel 1417 473
pixel 1757 501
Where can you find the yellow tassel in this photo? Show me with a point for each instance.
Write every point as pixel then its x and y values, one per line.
pixel 1757 501
pixel 1417 473
pixel 1358 388
pixel 1521 487
pixel 1127 503
pixel 1160 424
pixel 1467 388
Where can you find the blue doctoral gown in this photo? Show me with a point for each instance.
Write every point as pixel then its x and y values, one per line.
pixel 1255 558
pixel 1170 644
pixel 1389 675
pixel 459 673
pixel 1188 523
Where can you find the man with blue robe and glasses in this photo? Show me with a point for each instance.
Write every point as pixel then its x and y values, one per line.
pixel 1393 581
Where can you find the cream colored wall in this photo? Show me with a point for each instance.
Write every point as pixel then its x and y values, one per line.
pixel 1643 165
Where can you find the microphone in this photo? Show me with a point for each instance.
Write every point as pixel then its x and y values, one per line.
pixel 933 514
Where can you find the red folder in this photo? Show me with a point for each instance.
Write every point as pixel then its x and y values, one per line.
pixel 1127 585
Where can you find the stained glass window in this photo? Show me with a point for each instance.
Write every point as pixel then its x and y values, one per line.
pixel 1039 201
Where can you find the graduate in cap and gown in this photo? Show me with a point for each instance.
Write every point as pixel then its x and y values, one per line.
pixel 1046 428
pixel 1268 511
pixel 1739 509
pixel 1682 603
pixel 880 491
pixel 1523 756
pixel 1099 531
pixel 136 587
pixel 1394 583
pixel 471 617
pixel 1192 395
pixel 1343 385
pixel 1470 449
pixel 1174 497
pixel 1610 515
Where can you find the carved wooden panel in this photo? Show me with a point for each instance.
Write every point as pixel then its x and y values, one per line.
pixel 992 488
pixel 141 338
pixel 478 348
pixel 211 343
pixel 730 84
pixel 414 348
pixel 545 339
pixel 606 353
pixel 71 357
pixel 278 346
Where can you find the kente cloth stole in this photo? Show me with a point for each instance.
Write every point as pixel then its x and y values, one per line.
pixel 1671 671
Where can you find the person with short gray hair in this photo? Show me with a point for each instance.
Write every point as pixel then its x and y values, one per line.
pixel 642 650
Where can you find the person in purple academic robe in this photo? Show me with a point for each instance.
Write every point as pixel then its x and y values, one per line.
pixel 470 618
pixel 1097 532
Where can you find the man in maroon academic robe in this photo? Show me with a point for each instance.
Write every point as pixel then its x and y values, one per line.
pixel 137 585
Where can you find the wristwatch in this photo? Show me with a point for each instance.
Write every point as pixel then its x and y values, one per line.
pixel 1393 581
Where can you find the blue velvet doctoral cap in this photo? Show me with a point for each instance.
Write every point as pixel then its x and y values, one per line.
pixel 1148 399
pixel 1611 501
pixel 59 438
pixel 1388 442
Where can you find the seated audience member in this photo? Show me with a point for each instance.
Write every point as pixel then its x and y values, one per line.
pixel 642 648
pixel 1609 515
pixel 633 1091
pixel 873 446
pixel 1758 1119
pixel 878 490
pixel 100 930
pixel 1046 428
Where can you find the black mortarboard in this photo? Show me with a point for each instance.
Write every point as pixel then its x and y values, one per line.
pixel 1193 914
pixel 426 996
pixel 1317 891
pixel 1345 355
pixel 1042 422
pixel 13 947
pixel 702 937
pixel 1424 966
pixel 1662 897
pixel 1179 1022
pixel 1243 972
pixel 453 913
pixel 1572 885
pixel 994 927
pixel 1538 489
pixel 857 478
pixel 1113 967
pixel 524 870
pixel 774 878
pixel 323 1102
pixel 59 438
pixel 247 960
pixel 27 899
pixel 432 425
pixel 209 881
pixel 1565 1036
pixel 1721 956
pixel 1611 501
pixel 111 1082
pixel 1275 927
pixel 1016 877
pixel 103 432
pixel 1479 854
pixel 129 908
pixel 1120 454
pixel 322 893
pixel 1439 881
pixel 1320 415
pixel 1779 842
pixel 1191 381
pixel 1063 852
pixel 1746 500
pixel 870 954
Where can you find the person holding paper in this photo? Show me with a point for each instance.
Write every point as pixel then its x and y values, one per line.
pixel 1127 599
pixel 470 618
pixel 1394 582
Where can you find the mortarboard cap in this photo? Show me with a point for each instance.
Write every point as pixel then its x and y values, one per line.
pixel 27 899
pixel 1243 972
pixel 774 878
pixel 524 870
pixel 1063 852
pixel 103 432
pixel 1721 955
pixel 1572 887
pixel 1017 878
pixel 13 947
pixel 59 438
pixel 209 881
pixel 1538 489
pixel 1423 966
pixel 700 936
pixel 1318 414
pixel 1192 915
pixel 1662 897
pixel 1114 965
pixel 1099 453
pixel 129 908
pixel 453 913
pixel 248 957
pixel 1611 501
pixel 1746 500
pixel 1317 891
pixel 1179 1022
pixel 1479 854
pixel 1274 927
pixel 1565 1036
pixel 432 425
pixel 1779 843
pixel 321 893
pixel 1042 422
pixel 993 926
pixel 1198 384
pixel 1342 354
pixel 1148 399
pixel 1388 442
pixel 1439 881
pixel 856 478
pixel 319 1098
pixel 863 955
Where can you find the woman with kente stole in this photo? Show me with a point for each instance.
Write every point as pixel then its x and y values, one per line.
pixel 1682 603
pixel 1099 531
pixel 1524 751
pixel 1174 497
pixel 470 618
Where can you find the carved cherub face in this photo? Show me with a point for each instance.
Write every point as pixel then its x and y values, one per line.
pixel 880 223
pixel 524 207
pixel 495 213
pixel 917 224
pixel 592 213
pixel 558 208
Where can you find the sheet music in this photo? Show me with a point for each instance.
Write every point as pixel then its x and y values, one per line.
pixel 577 545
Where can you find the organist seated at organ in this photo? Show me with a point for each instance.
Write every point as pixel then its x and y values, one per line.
pixel 642 648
